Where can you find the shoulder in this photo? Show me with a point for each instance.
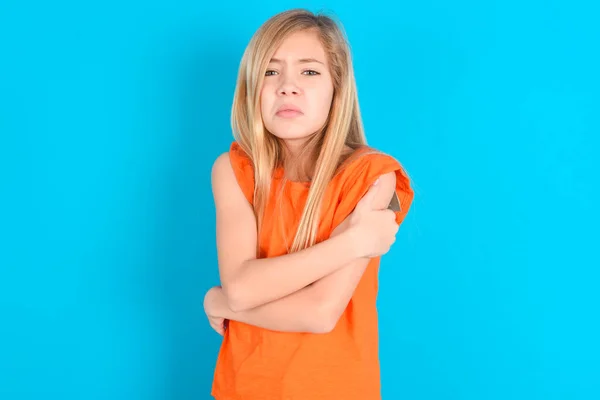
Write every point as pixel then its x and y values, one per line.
pixel 370 163
pixel 222 164
pixel 222 174
pixel 365 166
pixel 233 168
pixel 234 158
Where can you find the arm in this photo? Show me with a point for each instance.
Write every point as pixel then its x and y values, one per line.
pixel 316 308
pixel 336 289
pixel 298 312
pixel 249 282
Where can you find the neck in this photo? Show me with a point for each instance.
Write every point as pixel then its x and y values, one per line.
pixel 297 162
pixel 293 147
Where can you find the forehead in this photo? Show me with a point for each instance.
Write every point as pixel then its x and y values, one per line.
pixel 302 44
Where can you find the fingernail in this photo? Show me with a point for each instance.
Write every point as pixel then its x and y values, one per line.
pixel 376 181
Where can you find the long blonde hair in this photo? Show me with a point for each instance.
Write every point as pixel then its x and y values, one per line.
pixel 343 126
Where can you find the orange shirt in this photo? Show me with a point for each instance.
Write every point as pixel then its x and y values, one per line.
pixel 260 364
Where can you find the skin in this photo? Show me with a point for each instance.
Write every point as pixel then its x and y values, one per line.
pixel 306 291
pixel 297 75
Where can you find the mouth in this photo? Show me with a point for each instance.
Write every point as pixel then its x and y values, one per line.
pixel 288 113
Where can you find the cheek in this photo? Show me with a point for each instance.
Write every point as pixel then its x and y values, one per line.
pixel 266 100
pixel 321 104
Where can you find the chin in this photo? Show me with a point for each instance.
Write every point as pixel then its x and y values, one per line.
pixel 289 133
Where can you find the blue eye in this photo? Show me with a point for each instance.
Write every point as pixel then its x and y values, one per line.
pixel 270 72
pixel 311 72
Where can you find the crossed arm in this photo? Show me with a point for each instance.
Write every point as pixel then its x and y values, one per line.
pixel 306 291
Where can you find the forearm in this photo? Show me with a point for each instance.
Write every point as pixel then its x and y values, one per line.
pixel 298 312
pixel 261 281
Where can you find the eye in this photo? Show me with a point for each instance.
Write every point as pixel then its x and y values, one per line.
pixel 270 72
pixel 310 72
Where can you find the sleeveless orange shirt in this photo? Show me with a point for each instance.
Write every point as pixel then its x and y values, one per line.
pixel 260 364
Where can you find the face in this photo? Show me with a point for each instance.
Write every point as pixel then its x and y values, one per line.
pixel 297 90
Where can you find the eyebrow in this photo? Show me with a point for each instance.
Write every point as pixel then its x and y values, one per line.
pixel 301 61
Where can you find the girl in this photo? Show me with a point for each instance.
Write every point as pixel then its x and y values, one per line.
pixel 302 220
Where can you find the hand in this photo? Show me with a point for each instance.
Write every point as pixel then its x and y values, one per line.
pixel 375 230
pixel 213 301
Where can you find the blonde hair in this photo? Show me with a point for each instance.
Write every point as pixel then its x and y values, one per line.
pixel 343 126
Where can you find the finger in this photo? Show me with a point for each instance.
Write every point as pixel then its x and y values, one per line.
pixel 217 323
pixel 218 328
pixel 392 214
pixel 222 325
pixel 367 200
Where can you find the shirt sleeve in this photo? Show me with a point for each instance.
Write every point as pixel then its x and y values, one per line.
pixel 362 174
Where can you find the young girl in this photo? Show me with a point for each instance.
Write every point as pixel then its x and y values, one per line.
pixel 302 220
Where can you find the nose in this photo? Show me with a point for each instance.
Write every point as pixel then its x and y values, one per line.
pixel 288 87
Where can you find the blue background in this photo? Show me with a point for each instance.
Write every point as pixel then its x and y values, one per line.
pixel 111 114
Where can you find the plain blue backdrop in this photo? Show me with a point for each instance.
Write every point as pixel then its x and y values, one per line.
pixel 111 114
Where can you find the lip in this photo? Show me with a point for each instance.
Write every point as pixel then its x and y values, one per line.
pixel 288 114
pixel 288 110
